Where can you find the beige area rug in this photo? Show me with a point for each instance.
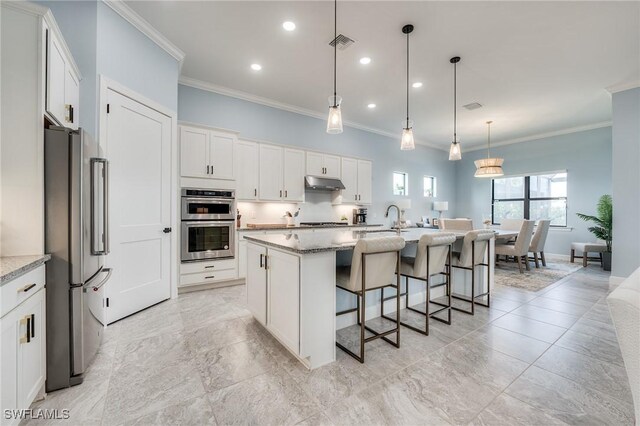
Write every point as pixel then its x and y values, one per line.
pixel 508 274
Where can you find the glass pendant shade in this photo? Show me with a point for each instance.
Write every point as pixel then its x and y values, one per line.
pixel 407 143
pixel 334 123
pixel 455 153
pixel 489 167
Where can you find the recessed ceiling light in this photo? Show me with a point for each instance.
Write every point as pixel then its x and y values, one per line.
pixel 416 85
pixel 289 26
pixel 365 61
pixel 256 67
pixel 371 106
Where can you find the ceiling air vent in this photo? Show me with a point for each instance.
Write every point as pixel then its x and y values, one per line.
pixel 342 41
pixel 472 106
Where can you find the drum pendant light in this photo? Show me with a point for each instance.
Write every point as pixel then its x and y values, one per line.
pixel 334 122
pixel 489 167
pixel 407 142
pixel 454 151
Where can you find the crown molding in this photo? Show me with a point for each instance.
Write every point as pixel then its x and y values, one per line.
pixel 146 28
pixel 221 90
pixel 540 136
pixel 26 6
pixel 621 87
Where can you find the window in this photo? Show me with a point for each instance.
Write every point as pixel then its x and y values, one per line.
pixel 429 186
pixel 400 184
pixel 531 197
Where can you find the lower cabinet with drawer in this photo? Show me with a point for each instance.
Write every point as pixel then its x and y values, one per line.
pixel 208 272
pixel 22 342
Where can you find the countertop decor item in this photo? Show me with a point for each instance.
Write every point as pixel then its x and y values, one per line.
pixel 440 206
pixel 455 153
pixel 334 122
pixel 491 166
pixel 407 142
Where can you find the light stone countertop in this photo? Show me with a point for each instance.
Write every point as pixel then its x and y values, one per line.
pixel 12 267
pixel 338 240
pixel 298 227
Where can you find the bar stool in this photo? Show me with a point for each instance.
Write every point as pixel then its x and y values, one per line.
pixel 433 252
pixel 474 247
pixel 374 263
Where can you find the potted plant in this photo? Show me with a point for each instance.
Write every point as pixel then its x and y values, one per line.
pixel 603 229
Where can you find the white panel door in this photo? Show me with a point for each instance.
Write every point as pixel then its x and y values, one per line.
pixel 55 79
pixel 32 352
pixel 350 180
pixel 331 166
pixel 71 99
pixel 271 174
pixel 221 155
pixel 294 170
pixel 284 304
pixel 257 282
pixel 247 165
pixel 138 145
pixel 315 165
pixel 194 152
pixel 364 182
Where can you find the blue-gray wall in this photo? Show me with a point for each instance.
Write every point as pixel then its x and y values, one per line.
pixel 585 155
pixel 626 182
pixel 104 43
pixel 261 122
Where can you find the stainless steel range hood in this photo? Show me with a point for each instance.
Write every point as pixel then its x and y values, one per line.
pixel 323 184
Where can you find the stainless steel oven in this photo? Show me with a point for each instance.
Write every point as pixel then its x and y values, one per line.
pixel 206 204
pixel 208 224
pixel 206 240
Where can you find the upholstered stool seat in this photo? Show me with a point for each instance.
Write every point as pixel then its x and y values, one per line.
pixel 433 251
pixel 585 249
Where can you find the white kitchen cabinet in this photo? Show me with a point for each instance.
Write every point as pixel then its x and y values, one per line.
pixel 206 154
pixel 350 180
pixel 242 258
pixel 364 182
pixel 63 88
pixel 22 339
pixel 256 282
pixel 294 171
pixel 271 173
pixel 247 165
pixel 324 165
pixel 356 177
pixel 283 307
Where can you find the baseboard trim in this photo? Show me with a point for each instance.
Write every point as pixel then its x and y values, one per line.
pixel 613 280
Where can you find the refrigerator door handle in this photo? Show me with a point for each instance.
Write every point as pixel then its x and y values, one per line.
pixel 109 271
pixel 105 207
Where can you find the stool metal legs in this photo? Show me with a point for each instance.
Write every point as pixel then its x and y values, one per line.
pixel 472 299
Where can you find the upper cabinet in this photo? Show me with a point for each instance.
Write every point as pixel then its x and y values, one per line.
pixel 206 153
pixel 356 177
pixel 246 157
pixel 293 181
pixel 323 165
pixel 281 174
pixel 63 83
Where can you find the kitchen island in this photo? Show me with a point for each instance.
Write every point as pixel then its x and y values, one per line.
pixel 291 285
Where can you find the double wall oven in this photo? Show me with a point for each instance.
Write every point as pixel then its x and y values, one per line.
pixel 208 224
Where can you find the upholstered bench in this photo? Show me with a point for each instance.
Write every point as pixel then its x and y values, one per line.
pixel 585 249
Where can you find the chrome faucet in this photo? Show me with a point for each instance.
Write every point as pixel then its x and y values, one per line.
pixel 398 221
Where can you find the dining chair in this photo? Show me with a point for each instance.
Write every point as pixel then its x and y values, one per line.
pixel 456 224
pixel 511 224
pixel 520 249
pixel 538 241
pixel 375 265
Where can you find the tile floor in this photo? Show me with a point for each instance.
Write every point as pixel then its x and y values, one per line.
pixel 549 357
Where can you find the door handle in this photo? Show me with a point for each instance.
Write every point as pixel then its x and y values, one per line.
pixel 33 326
pixel 266 265
pixel 286 193
pixel 27 337
pixel 255 192
pixel 166 230
pixel 281 193
pixel 261 260
pixel 356 197
pixel 207 169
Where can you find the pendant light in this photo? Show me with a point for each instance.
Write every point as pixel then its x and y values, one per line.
pixel 334 122
pixel 407 142
pixel 489 167
pixel 454 151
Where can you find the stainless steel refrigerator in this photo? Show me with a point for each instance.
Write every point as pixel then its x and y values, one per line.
pixel 77 237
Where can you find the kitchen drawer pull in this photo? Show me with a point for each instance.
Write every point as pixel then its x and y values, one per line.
pixel 210 266
pixel 26 288
pixel 209 277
